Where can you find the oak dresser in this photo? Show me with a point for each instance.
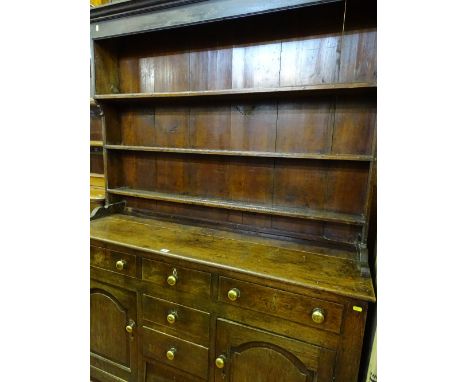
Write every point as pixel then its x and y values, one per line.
pixel 239 160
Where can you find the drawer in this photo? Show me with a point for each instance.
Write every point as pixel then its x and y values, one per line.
pixel 182 319
pixel 187 281
pixel 159 372
pixel 113 261
pixel 188 356
pixel 291 306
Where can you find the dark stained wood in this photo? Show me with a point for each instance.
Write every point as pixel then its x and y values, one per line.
pixel 304 127
pixel 260 186
pixel 210 61
pixel 273 324
pixel 183 15
pixel 286 228
pixel 108 260
pixel 256 66
pixel 107 80
pixel 354 126
pixel 96 129
pixel 158 372
pixel 253 354
pixel 129 74
pixel 195 283
pixel 138 127
pixel 239 153
pixel 279 211
pixel 96 160
pixel 253 126
pixel 314 271
pixel 171 127
pixel 347 188
pixel 271 91
pixel 309 61
pixel 358 60
pixel 279 303
pixel 190 357
pixel 210 127
pixel 113 350
pixel 192 324
pixel 353 332
pixel 266 154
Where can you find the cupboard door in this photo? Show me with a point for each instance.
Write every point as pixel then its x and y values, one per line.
pixel 246 354
pixel 113 333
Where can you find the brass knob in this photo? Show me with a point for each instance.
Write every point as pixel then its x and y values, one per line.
pixel 220 361
pixel 130 326
pixel 318 316
pixel 170 354
pixel 172 279
pixel 171 317
pixel 120 265
pixel 233 294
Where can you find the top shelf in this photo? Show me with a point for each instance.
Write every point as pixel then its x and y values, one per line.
pixel 322 88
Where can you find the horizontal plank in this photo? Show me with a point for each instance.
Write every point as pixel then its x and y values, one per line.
pixel 97 193
pixel 97 180
pixel 96 143
pixel 188 12
pixel 239 92
pixel 300 213
pixel 309 266
pixel 264 154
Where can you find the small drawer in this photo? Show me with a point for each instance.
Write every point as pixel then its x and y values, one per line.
pixel 173 351
pixel 293 307
pixel 113 261
pixel 177 279
pixel 182 319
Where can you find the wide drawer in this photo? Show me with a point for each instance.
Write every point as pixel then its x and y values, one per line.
pixel 187 356
pixel 293 307
pixel 177 279
pixel 113 261
pixel 181 319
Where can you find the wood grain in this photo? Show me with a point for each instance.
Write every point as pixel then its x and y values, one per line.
pixel 307 269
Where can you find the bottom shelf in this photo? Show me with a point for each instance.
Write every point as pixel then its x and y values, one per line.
pixel 300 213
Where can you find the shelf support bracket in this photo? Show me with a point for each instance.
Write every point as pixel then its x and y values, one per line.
pixel 363 259
pixel 109 209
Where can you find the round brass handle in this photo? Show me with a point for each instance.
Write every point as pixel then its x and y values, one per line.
pixel 220 361
pixel 172 279
pixel 170 354
pixel 171 317
pixel 130 326
pixel 120 265
pixel 318 316
pixel 233 294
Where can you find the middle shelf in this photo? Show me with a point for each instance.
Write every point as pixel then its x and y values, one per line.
pixel 242 153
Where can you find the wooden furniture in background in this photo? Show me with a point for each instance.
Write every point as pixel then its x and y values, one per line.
pixel 97 184
pixel 239 152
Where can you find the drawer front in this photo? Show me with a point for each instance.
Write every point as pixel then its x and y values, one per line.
pixel 159 372
pixel 182 319
pixel 111 260
pixel 275 302
pixel 188 281
pixel 188 356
